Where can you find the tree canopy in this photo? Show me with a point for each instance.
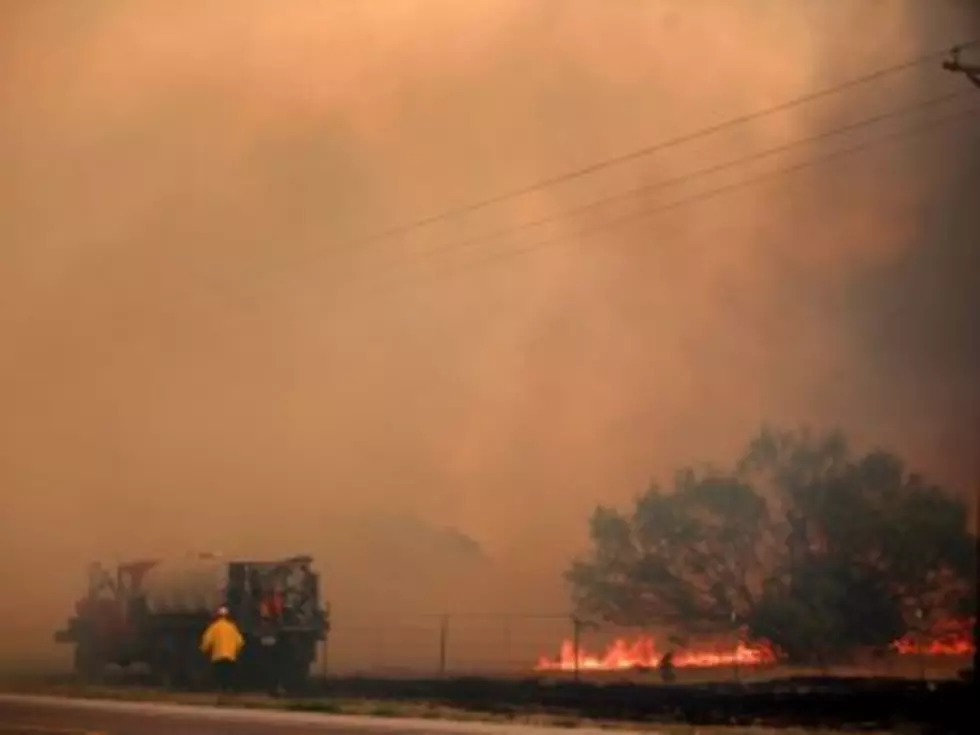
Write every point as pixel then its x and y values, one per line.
pixel 802 542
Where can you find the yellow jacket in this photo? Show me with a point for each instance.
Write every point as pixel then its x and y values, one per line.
pixel 222 640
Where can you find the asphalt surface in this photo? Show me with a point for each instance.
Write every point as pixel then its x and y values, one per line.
pixel 41 715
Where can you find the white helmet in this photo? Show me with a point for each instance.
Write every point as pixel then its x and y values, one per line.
pixel 222 612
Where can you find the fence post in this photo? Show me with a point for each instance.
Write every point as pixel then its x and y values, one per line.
pixel 443 636
pixel 507 663
pixel 920 643
pixel 576 641
pixel 738 640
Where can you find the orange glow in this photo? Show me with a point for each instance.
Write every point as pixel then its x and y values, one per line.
pixel 952 638
pixel 947 638
pixel 642 653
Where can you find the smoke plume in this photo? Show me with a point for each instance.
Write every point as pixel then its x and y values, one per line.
pixel 200 352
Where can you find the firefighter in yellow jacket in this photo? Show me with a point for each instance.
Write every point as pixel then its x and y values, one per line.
pixel 222 641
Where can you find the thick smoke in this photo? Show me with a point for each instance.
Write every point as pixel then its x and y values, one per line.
pixel 194 360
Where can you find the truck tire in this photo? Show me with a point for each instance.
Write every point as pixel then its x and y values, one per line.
pixel 166 668
pixel 296 679
pixel 294 673
pixel 179 665
pixel 89 664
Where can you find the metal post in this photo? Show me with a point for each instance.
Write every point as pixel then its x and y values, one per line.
pixel 953 64
pixel 976 581
pixel 379 658
pixel 506 644
pixel 920 643
pixel 976 613
pixel 443 637
pixel 576 639
pixel 737 641
pixel 972 72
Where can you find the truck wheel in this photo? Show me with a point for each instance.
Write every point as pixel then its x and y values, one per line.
pixel 166 669
pixel 295 678
pixel 178 664
pixel 89 664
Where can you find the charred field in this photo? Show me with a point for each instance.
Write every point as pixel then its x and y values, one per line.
pixel 780 697
pixel 790 700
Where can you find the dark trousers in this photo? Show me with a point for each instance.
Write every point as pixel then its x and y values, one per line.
pixel 224 674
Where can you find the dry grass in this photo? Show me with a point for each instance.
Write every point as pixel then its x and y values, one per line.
pixel 935 668
pixel 900 666
pixel 384 708
pixel 395 709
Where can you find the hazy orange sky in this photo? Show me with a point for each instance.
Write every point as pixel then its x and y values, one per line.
pixel 185 366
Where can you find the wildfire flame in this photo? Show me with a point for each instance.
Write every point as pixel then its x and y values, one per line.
pixel 642 653
pixel 948 639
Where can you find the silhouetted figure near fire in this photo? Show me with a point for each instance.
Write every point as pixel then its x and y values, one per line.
pixel 668 673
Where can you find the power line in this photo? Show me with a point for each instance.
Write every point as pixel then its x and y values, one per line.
pixel 638 153
pixel 931 125
pixel 666 183
pixel 507 254
pixel 391 287
pixel 681 179
pixel 961 203
pixel 702 196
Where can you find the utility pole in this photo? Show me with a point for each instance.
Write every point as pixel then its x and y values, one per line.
pixel 972 72
pixel 976 595
pixel 957 66
pixel 443 642
pixel 577 644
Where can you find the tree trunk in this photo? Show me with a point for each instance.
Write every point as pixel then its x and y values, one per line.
pixel 976 612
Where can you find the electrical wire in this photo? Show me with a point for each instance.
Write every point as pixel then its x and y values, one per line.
pixel 452 247
pixel 680 179
pixel 392 288
pixel 375 289
pixel 611 162
pixel 508 254
pixel 700 197
pixel 402 229
pixel 929 126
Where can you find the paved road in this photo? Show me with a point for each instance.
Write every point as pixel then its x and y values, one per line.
pixel 37 715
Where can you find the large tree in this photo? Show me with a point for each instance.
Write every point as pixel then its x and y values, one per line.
pixel 805 543
pixel 689 557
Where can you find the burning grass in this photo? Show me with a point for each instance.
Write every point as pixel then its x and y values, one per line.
pixel 951 640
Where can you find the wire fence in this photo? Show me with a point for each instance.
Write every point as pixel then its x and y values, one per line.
pixel 557 645
pixel 439 644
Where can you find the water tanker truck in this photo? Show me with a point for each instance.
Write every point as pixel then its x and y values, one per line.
pixel 153 612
